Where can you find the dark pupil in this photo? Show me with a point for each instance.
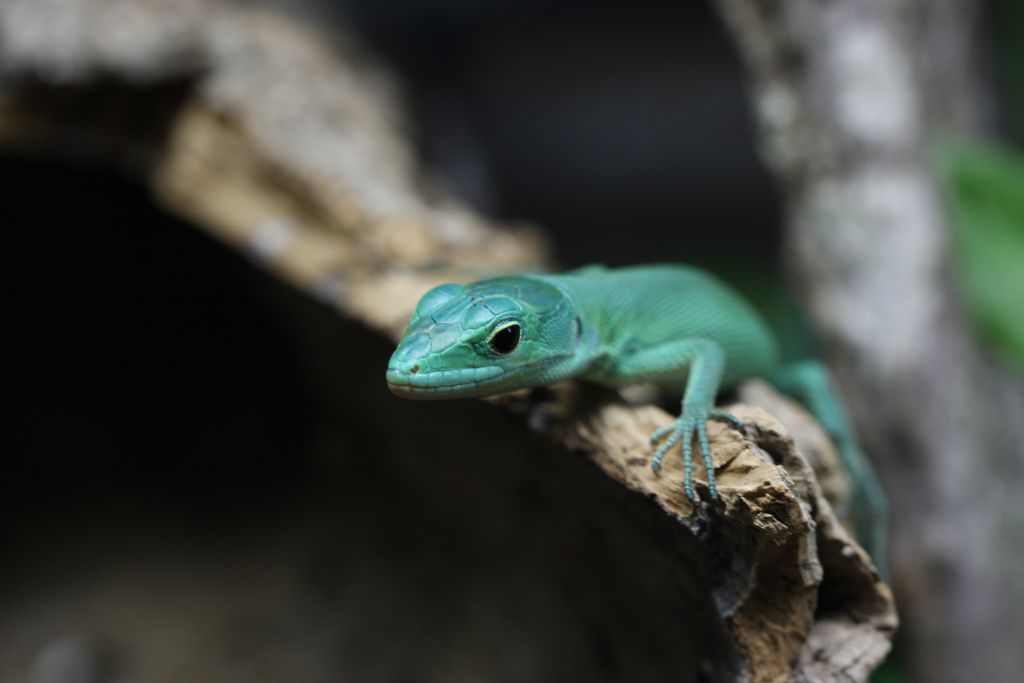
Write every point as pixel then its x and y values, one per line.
pixel 506 340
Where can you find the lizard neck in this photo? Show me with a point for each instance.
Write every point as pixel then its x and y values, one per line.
pixel 586 342
pixel 575 365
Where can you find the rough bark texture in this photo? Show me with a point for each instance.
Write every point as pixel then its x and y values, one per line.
pixel 291 150
pixel 849 95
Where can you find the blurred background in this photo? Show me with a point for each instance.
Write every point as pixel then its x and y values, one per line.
pixel 192 438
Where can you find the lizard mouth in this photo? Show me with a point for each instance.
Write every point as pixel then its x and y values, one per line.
pixel 441 383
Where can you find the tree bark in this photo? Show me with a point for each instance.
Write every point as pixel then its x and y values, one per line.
pixel 849 95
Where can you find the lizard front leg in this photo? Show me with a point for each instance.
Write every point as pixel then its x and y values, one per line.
pixel 701 362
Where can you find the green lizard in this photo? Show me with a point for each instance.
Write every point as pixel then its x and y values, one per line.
pixel 662 324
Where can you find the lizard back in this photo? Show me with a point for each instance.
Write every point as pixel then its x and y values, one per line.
pixel 644 306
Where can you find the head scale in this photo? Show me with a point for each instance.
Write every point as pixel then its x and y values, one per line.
pixel 484 338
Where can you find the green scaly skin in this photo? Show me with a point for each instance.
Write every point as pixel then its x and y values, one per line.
pixel 664 324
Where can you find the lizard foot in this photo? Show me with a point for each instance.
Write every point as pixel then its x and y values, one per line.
pixel 682 429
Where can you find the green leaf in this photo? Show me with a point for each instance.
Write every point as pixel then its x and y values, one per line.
pixel 985 187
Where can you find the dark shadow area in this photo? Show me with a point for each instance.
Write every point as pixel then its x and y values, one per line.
pixel 111 118
pixel 205 478
pixel 143 361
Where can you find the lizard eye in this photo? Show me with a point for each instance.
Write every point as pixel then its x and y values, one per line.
pixel 505 338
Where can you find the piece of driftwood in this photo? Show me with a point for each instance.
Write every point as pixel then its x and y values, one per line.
pixel 289 146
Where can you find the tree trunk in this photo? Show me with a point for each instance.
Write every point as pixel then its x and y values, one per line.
pixel 848 95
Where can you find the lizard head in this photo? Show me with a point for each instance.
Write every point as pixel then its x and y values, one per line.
pixel 484 338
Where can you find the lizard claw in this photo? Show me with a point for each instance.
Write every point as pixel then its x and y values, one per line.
pixel 676 432
pixel 658 434
pixel 723 416
pixel 682 429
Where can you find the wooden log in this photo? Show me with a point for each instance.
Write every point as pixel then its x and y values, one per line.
pixel 291 148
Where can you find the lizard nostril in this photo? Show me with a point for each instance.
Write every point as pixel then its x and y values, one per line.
pixel 414 369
